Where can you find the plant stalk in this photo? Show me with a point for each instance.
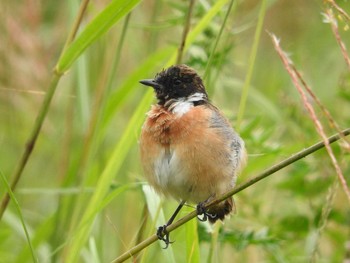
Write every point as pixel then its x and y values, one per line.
pixel 279 166
pixel 56 76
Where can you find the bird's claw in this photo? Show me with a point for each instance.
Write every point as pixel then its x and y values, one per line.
pixel 163 235
pixel 201 210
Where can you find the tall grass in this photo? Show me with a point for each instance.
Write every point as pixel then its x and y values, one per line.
pixel 82 194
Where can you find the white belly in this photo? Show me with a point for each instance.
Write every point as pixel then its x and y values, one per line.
pixel 170 175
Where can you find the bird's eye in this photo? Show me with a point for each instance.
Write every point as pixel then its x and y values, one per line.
pixel 177 82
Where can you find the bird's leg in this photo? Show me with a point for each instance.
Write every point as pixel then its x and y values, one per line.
pixel 162 233
pixel 201 210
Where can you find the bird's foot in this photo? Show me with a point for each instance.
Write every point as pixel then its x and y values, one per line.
pixel 163 235
pixel 201 210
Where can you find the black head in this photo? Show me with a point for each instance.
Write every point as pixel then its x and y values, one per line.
pixel 176 82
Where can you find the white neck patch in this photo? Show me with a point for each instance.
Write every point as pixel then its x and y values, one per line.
pixel 182 105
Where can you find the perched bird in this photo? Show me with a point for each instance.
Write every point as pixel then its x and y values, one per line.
pixel 189 151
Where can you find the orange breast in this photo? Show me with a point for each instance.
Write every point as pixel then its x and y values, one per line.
pixel 186 157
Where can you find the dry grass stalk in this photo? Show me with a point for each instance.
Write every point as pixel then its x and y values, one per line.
pixel 329 18
pixel 295 76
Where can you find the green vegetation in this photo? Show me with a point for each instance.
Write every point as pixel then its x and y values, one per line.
pixel 81 197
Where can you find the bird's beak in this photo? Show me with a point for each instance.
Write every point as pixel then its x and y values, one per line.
pixel 151 83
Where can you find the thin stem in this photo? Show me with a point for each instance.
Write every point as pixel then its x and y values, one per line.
pixel 185 32
pixel 152 45
pixel 214 242
pixel 212 52
pixel 13 197
pixel 332 123
pixel 76 24
pixel 252 57
pixel 334 24
pixel 339 9
pixel 310 109
pixel 91 135
pixel 30 142
pixel 119 50
pixel 140 232
pixel 295 157
pixel 327 208
pixel 56 76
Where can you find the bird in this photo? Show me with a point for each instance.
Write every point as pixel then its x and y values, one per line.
pixel 189 150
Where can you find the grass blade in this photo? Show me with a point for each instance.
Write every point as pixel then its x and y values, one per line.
pixel 113 165
pixel 251 64
pixel 102 23
pixel 120 151
pixel 18 208
pixel 192 242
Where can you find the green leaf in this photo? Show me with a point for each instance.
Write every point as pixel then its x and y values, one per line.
pixel 132 81
pixel 122 148
pixel 242 239
pixel 103 185
pixel 154 205
pixel 299 224
pixel 98 26
pixel 40 238
pixel 192 243
pixel 18 208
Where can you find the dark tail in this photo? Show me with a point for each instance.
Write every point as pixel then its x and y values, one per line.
pixel 221 210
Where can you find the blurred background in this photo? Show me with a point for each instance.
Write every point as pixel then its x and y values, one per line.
pixel 299 214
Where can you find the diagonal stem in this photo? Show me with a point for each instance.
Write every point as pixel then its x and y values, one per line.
pixel 279 166
pixel 212 52
pixel 56 76
pixel 185 32
pixel 251 65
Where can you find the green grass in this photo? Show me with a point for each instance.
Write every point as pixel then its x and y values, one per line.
pixel 20 216
pixel 82 195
